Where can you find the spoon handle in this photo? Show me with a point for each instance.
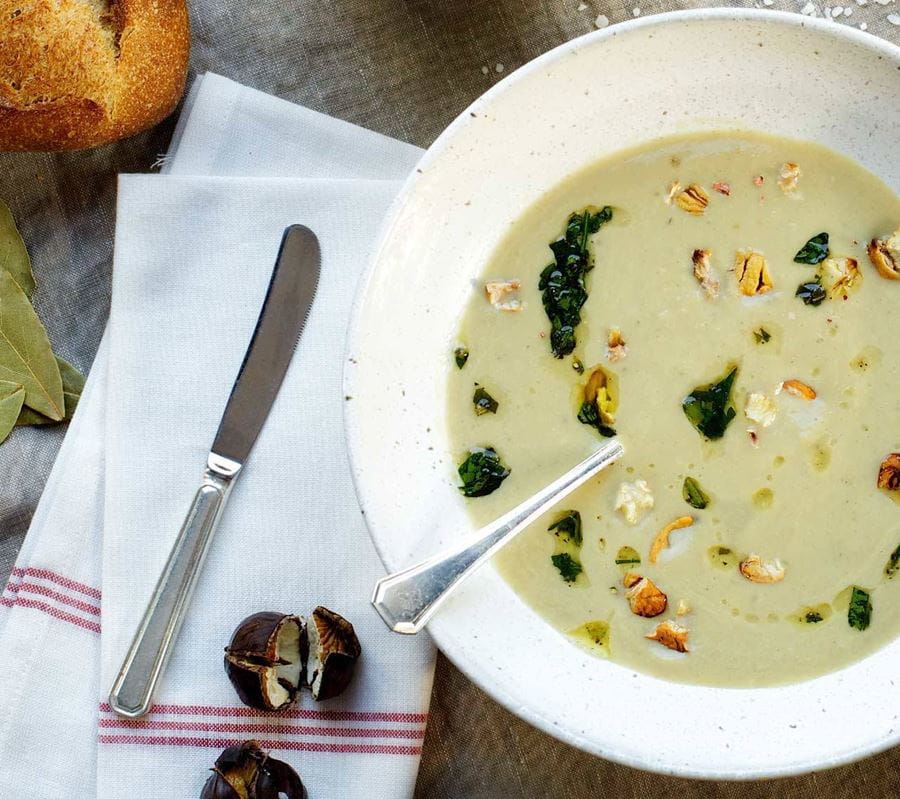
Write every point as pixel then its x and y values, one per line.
pixel 407 599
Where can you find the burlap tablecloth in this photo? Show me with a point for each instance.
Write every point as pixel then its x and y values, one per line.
pixel 405 68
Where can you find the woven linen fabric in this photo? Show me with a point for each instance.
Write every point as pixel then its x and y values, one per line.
pixel 405 68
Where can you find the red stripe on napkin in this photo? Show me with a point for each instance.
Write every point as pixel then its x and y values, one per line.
pixel 59 579
pixel 267 729
pixel 42 590
pixel 296 713
pixel 56 613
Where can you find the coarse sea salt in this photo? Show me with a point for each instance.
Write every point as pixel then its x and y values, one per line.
pixel 602 21
pixel 884 2
pixel 581 7
pixel 894 19
pixel 635 12
pixel 484 70
pixel 809 9
pixel 863 26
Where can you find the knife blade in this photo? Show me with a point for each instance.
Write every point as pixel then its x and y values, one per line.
pixel 278 329
pixel 285 309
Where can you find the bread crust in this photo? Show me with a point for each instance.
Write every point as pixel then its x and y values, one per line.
pixel 82 73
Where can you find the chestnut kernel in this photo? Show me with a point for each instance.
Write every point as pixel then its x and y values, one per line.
pixel 333 652
pixel 266 658
pixel 244 771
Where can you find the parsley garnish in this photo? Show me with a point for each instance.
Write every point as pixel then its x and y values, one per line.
pixel 483 402
pixel 762 336
pixel 709 407
pixel 695 496
pixel 814 251
pixel 482 472
pixel 859 614
pixel 568 527
pixel 812 293
pixel 568 567
pixel 562 282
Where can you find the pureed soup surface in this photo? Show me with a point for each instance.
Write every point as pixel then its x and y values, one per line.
pixel 790 569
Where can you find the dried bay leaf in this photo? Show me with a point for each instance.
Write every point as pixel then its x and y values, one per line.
pixel 73 384
pixel 13 255
pixel 12 395
pixel 25 354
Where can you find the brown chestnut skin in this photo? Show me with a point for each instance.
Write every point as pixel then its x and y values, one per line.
pixel 265 675
pixel 333 652
pixel 246 772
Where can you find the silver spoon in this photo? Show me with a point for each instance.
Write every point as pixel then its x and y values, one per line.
pixel 407 599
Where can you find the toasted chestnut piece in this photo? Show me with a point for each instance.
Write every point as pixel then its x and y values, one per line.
pixel 265 659
pixel 246 772
pixel 333 652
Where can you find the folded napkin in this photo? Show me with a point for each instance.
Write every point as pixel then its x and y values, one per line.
pixel 194 253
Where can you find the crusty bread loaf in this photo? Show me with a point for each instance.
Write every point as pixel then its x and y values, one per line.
pixel 80 73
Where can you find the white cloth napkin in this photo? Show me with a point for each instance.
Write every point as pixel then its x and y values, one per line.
pixel 193 257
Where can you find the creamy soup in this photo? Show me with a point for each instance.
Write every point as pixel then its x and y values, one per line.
pixel 740 341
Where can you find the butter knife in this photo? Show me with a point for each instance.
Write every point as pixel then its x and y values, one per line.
pixel 281 321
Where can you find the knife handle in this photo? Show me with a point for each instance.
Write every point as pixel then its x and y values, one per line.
pixel 132 692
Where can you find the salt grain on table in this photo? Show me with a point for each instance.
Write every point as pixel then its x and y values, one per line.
pixel 894 19
pixel 602 21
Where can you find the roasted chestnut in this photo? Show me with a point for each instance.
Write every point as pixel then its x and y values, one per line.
pixel 333 652
pixel 272 655
pixel 246 772
pixel 265 659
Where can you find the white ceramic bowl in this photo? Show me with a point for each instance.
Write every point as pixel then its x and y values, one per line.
pixel 699 70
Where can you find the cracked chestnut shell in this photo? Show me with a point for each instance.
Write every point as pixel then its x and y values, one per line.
pixel 246 772
pixel 333 652
pixel 266 658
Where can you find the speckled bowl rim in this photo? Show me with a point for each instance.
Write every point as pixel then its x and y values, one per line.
pixel 443 634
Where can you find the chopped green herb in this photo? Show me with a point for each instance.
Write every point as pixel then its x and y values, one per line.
pixel 460 355
pixel 893 564
pixel 814 251
pixel 482 472
pixel 627 556
pixel 565 557
pixel 812 293
pixel 568 527
pixel 812 617
pixel 578 366
pixel 483 402
pixel 709 407
pixel 693 494
pixel 562 282
pixel 859 614
pixel 568 567
pixel 762 336
pixel 588 415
